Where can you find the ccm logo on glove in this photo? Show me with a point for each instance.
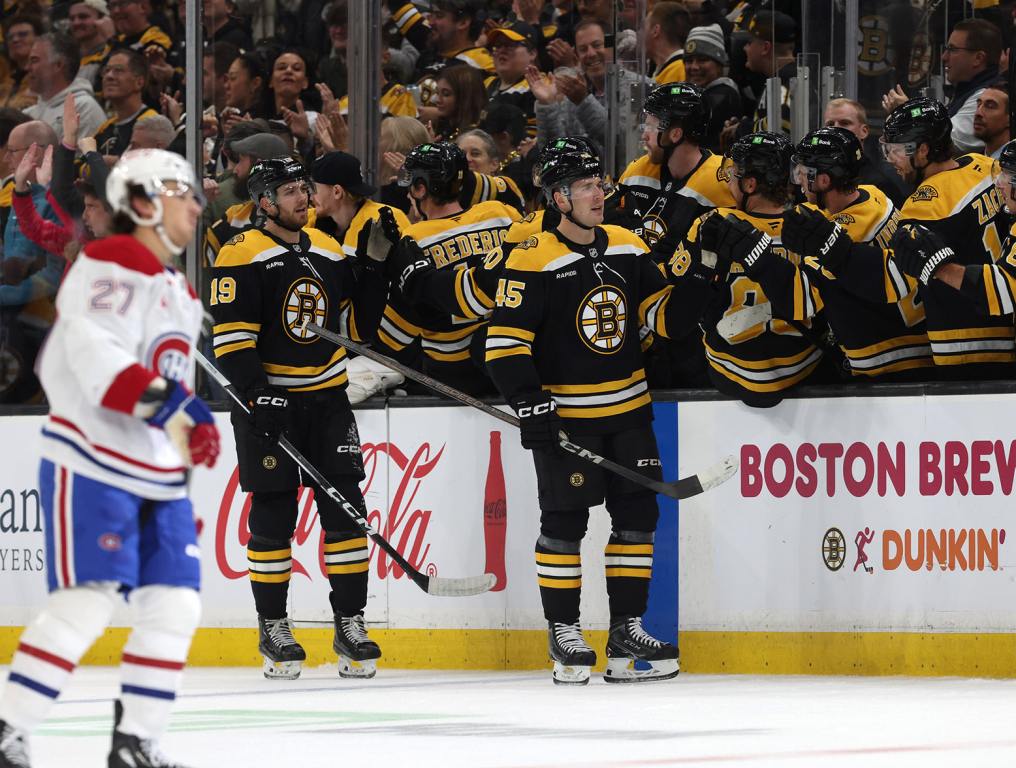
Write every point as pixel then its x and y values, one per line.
pixel 271 400
pixel 525 411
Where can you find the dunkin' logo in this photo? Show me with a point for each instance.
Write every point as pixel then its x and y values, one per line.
pixel 404 524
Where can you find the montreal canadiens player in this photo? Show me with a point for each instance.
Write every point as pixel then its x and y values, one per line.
pixel 122 433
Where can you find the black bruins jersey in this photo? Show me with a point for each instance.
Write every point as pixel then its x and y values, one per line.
pixel 452 243
pixel 479 188
pixel 962 206
pixel 874 310
pixel 762 358
pixel 567 321
pixel 113 138
pixel 992 287
pixel 518 95
pixel 657 205
pixel 262 291
pixel 237 218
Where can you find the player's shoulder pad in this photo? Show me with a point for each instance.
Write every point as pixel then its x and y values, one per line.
pixel 492 209
pixel 621 240
pixel 537 253
pixel 324 244
pixel 244 248
pixel 641 171
pixel 124 251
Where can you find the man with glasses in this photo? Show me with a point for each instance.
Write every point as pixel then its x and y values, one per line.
pixel 957 201
pixel 123 432
pixel 563 348
pixel 268 282
pixel 514 47
pixel 123 80
pixel 970 62
pixel 19 36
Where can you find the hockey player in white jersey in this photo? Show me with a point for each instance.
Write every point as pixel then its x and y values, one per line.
pixel 122 433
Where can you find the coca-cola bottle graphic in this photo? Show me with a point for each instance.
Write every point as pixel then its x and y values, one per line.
pixel 495 514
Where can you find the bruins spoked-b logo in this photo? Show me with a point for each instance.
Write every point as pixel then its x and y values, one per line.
pixel 602 318
pixel 305 302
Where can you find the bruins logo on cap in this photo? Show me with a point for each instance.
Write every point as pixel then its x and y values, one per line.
pixel 306 301
pixel 691 46
pixel 269 462
pixel 924 194
pixel 602 318
pixel 577 479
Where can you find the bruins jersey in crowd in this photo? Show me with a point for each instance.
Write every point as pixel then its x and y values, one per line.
pixel 262 292
pixel 395 101
pixel 672 70
pixel 237 218
pixel 452 243
pixel 992 287
pixel 479 188
pixel 113 138
pixel 873 309
pixel 655 204
pixel 567 320
pixel 763 359
pixel 518 95
pixel 963 207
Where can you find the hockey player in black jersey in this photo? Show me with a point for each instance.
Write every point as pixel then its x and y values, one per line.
pixel 267 283
pixel 563 348
pixel 991 288
pixel 956 199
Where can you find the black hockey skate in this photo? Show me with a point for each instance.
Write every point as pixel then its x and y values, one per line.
pixel 130 751
pixel 358 654
pixel 572 656
pixel 13 747
pixel 628 643
pixel 284 656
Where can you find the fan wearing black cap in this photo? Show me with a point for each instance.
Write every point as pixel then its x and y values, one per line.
pixel 268 282
pixel 563 348
pixel 957 205
pixel 452 237
pixel 341 194
pixel 843 232
pixel 720 267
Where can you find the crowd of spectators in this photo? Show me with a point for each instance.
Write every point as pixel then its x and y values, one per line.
pixel 82 81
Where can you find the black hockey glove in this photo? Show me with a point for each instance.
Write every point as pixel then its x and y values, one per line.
pixel 269 411
pixel 918 252
pixel 407 263
pixel 738 241
pixel 539 424
pixel 377 238
pixel 808 233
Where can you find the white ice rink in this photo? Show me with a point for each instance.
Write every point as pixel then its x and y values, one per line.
pixel 233 717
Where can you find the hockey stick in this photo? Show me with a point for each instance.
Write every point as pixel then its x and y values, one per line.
pixel 432 585
pixel 682 489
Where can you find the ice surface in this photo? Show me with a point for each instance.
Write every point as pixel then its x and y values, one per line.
pixel 233 717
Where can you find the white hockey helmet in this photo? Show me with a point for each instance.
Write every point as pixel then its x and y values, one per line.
pixel 150 169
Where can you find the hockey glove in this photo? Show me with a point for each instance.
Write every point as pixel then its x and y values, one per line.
pixel 740 242
pixel 189 425
pixel 379 236
pixel 539 424
pixel 269 411
pixel 408 262
pixel 808 233
pixel 919 252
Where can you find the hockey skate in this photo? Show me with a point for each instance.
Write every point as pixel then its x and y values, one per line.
pixel 131 751
pixel 284 656
pixel 572 656
pixel 13 747
pixel 358 654
pixel 629 643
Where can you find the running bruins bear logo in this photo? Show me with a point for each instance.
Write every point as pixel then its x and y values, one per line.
pixel 529 242
pixel 306 302
pixel 602 318
pixel 924 194
pixel 843 219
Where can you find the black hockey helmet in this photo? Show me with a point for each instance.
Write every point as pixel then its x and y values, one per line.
pixel 266 176
pixel 765 157
pixel 1003 172
pixel 919 121
pixel 1007 157
pixel 834 151
pixel 679 105
pixel 440 166
pixel 561 169
pixel 563 146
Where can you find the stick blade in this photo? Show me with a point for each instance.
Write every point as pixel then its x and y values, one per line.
pixel 464 587
pixel 719 473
